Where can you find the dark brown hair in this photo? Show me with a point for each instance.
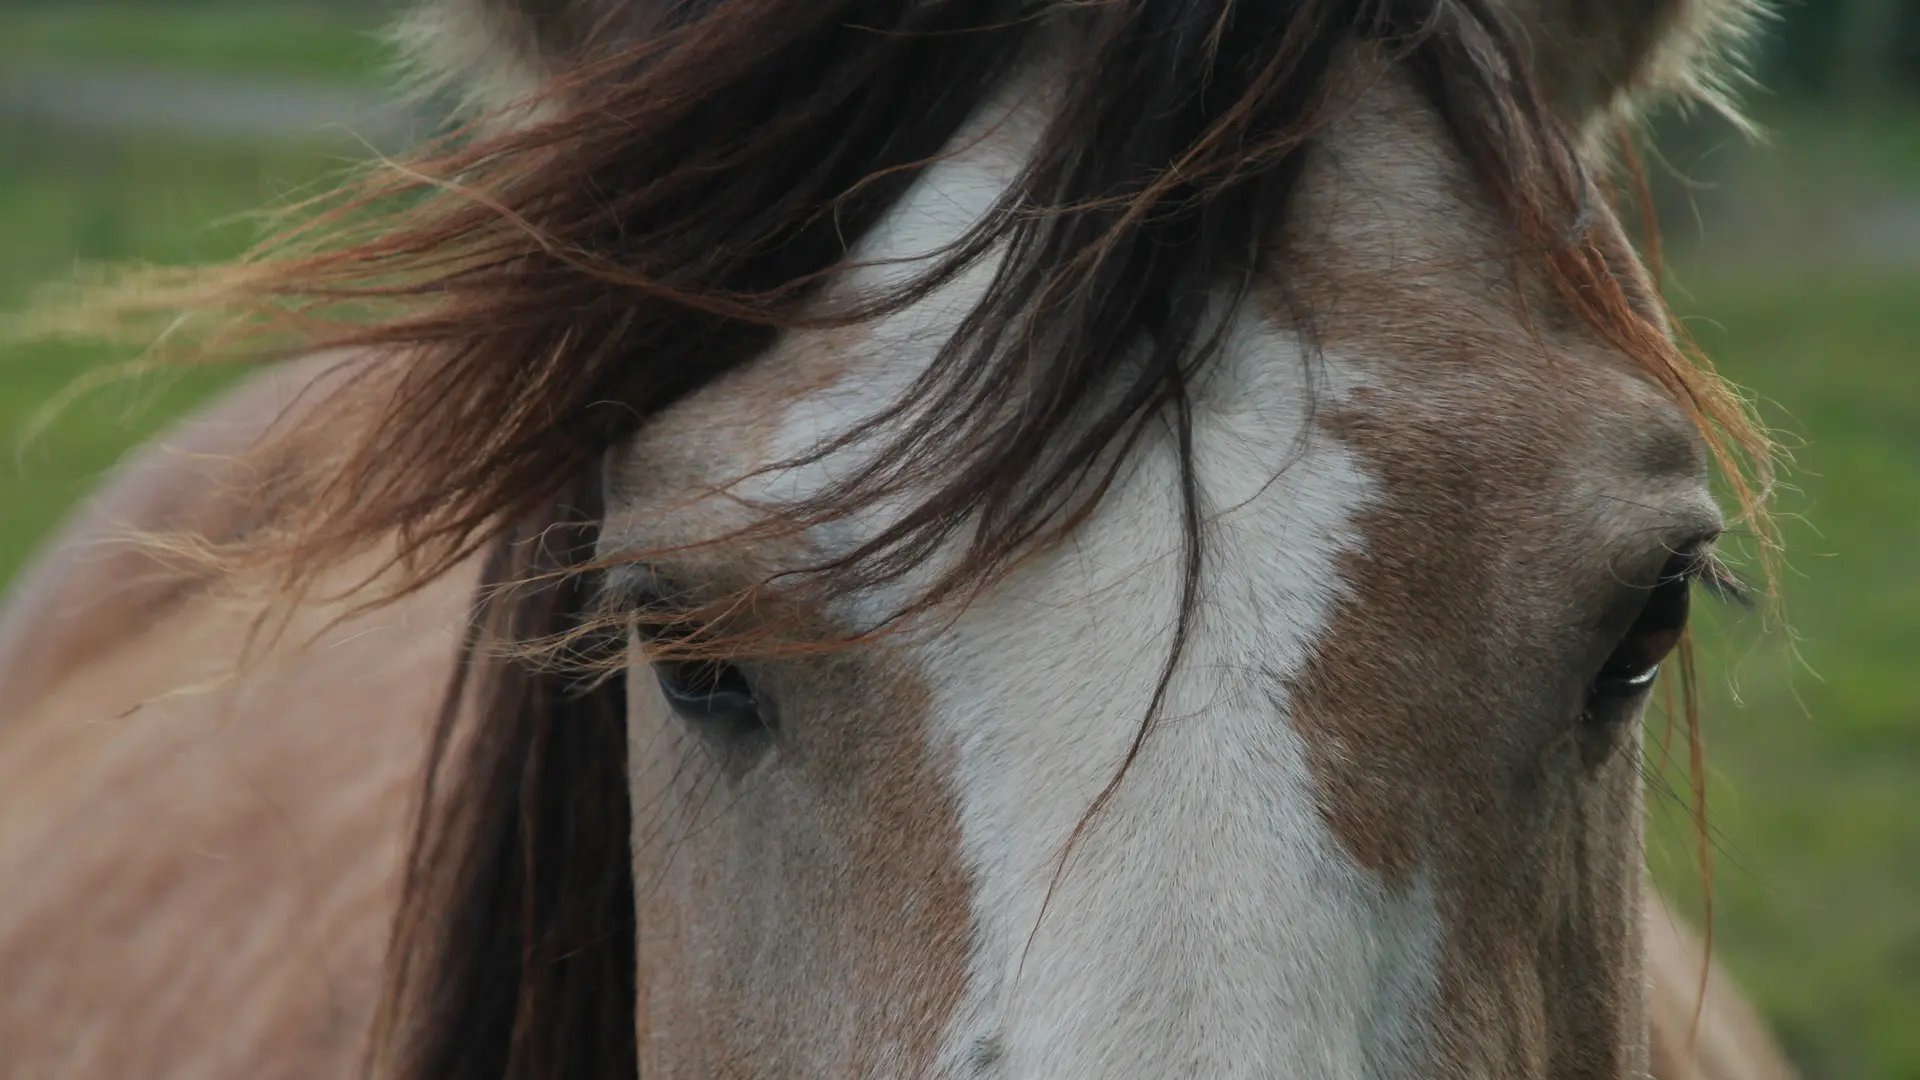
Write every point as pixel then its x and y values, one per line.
pixel 512 953
pixel 527 296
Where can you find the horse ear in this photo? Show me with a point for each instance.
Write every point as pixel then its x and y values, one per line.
pixel 1603 61
pixel 491 54
pixel 1598 60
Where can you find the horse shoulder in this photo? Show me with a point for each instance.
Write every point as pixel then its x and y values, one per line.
pixel 95 584
pixel 1730 1042
pixel 199 858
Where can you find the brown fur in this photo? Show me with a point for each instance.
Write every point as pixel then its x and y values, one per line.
pixel 201 870
pixel 1398 704
pixel 878 913
pixel 1716 1037
pixel 229 855
pixel 529 342
pixel 1442 711
pixel 224 882
pixel 878 906
pixel 100 580
pixel 202 886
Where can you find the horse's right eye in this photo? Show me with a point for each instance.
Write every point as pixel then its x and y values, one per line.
pixel 1635 662
pixel 713 696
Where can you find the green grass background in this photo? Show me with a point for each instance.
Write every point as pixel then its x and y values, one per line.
pixel 1815 761
pixel 282 38
pixel 1814 748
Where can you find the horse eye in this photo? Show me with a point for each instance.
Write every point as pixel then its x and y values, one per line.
pixel 1636 660
pixel 711 695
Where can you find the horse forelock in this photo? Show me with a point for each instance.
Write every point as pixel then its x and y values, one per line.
pixel 1601 61
pixel 1310 616
pixel 546 283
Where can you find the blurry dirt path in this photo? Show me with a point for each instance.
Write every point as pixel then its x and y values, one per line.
pixel 178 103
pixel 1759 211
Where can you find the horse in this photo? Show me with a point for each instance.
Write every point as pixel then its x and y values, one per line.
pixel 908 538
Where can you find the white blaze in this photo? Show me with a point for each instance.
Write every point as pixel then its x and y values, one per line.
pixel 1207 924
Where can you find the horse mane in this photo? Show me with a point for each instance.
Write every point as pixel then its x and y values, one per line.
pixel 512 954
pixel 670 191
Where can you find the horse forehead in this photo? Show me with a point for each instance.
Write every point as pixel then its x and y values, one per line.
pixel 1472 376
pixel 1544 433
pixel 1398 263
pixel 1525 417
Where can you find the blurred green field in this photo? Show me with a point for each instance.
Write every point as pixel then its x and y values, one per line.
pixel 1815 762
pixel 285 38
pixel 1815 770
pixel 67 197
pixel 85 198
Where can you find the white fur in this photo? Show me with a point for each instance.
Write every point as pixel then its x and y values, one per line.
pixel 1208 924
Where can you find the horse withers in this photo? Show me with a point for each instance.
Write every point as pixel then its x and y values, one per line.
pixel 909 539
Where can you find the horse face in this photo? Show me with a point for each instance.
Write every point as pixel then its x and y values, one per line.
pixel 1381 819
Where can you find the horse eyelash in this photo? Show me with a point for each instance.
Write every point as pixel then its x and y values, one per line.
pixel 1707 570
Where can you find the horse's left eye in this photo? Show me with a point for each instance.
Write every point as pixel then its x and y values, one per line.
pixel 713 696
pixel 1636 660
